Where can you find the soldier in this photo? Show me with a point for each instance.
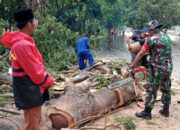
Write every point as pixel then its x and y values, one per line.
pixel 159 47
pixel 136 47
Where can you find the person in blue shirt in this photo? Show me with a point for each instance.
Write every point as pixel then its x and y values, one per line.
pixel 84 53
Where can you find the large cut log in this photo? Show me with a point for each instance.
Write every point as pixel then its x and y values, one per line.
pixel 76 109
pixel 71 109
pixel 77 106
pixel 17 122
pixel 11 123
pixel 5 78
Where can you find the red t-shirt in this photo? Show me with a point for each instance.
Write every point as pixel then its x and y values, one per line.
pixel 145 47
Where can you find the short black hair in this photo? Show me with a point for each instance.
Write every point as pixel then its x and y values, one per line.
pixel 22 17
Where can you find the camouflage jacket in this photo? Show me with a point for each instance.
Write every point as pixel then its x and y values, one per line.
pixel 160 52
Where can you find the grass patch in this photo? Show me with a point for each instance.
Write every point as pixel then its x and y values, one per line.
pixel 127 122
pixel 150 122
pixel 173 92
pixel 4 101
pixel 176 44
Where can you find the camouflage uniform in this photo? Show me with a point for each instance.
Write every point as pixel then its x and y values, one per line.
pixel 161 69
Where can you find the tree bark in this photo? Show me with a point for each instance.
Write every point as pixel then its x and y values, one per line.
pixel 37 4
pixel 73 108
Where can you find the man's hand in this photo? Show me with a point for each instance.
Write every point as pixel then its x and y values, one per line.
pixel 134 65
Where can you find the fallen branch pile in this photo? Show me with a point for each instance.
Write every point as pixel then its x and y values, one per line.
pixel 86 96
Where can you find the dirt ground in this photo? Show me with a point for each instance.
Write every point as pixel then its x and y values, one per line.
pixel 158 122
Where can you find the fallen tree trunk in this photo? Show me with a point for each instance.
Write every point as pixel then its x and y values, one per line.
pixel 71 109
pixel 11 123
pixel 74 109
pixel 17 122
pixel 77 106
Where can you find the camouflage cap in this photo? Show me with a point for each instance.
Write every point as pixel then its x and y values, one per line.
pixel 154 25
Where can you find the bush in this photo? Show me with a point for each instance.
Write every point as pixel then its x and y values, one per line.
pixel 56 43
pixel 4 61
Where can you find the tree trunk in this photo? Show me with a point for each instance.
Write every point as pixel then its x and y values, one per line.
pixel 11 123
pixel 74 108
pixel 17 122
pixel 37 4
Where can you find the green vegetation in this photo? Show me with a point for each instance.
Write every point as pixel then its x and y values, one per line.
pixel 103 82
pixel 127 122
pixel 151 122
pixel 3 99
pixel 62 22
pixel 173 92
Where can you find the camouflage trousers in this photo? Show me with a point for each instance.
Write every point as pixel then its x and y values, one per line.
pixel 159 79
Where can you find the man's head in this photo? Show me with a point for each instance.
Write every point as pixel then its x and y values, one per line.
pixel 144 33
pixel 153 26
pixel 25 20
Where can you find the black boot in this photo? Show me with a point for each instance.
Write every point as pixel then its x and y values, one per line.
pixel 144 114
pixel 165 111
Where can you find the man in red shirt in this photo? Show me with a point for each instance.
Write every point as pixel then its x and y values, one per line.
pixel 30 78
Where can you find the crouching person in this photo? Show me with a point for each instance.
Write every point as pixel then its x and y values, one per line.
pixel 83 50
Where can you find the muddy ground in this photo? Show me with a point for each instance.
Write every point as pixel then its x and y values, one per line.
pixel 158 122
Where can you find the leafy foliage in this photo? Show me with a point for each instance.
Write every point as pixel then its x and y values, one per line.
pixel 66 20
pixel 56 43
pixel 103 82
pixel 128 122
pixel 141 11
pixel 7 7
pixel 3 62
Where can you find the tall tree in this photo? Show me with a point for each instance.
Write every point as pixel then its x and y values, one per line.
pixel 7 7
pixel 141 11
pixel 39 5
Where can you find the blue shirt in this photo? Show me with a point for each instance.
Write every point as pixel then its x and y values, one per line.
pixel 82 44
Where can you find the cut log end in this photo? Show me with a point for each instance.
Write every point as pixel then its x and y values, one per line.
pixel 58 121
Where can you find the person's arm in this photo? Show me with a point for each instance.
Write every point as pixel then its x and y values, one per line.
pixel 88 44
pixel 143 51
pixel 33 67
pixel 127 41
pixel 142 41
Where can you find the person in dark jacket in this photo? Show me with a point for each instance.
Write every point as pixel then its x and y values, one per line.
pixel 141 41
pixel 30 78
pixel 84 53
